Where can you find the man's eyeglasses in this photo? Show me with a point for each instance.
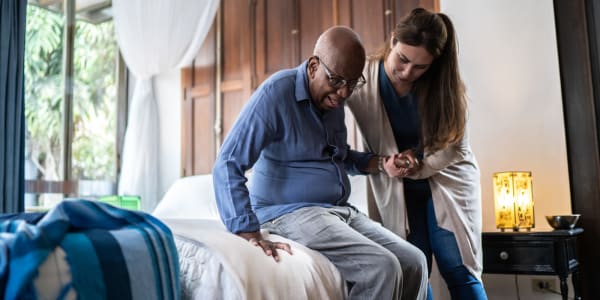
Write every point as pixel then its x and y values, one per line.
pixel 338 82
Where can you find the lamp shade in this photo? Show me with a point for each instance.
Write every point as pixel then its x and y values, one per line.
pixel 513 200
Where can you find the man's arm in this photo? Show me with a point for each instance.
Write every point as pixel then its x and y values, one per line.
pixel 240 150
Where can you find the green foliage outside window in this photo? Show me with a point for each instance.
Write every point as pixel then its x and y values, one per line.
pixel 94 98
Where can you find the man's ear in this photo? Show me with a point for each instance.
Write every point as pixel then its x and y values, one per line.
pixel 313 65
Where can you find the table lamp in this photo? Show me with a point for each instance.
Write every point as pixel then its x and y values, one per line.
pixel 513 200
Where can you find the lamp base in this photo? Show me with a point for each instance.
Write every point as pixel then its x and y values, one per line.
pixel 515 229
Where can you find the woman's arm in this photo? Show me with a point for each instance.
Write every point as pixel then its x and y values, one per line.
pixel 433 163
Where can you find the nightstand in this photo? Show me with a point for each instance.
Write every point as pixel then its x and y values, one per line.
pixel 534 253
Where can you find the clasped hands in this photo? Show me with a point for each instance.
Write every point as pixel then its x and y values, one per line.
pixel 401 164
pixel 269 247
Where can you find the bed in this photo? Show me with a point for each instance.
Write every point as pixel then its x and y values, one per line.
pixel 215 264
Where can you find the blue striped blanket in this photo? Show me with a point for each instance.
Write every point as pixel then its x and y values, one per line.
pixel 112 253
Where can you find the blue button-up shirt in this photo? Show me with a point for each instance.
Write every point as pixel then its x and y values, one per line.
pixel 299 155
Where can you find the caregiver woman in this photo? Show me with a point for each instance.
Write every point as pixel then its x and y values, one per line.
pixel 414 102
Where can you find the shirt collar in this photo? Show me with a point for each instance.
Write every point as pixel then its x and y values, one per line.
pixel 302 91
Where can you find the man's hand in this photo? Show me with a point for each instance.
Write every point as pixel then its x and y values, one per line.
pixel 270 248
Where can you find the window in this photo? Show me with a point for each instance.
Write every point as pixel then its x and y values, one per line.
pixel 71 105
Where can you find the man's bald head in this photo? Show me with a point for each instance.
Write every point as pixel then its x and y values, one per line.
pixel 336 67
pixel 341 49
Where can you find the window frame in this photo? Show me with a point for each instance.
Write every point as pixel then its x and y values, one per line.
pixel 68 186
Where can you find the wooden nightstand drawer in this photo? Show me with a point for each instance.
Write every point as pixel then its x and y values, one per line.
pixel 520 257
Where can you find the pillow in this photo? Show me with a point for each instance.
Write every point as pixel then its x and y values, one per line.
pixel 189 197
pixel 193 197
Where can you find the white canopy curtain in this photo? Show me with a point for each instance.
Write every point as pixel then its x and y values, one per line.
pixel 154 36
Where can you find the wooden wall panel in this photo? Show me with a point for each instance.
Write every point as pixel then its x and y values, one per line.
pixel 232 105
pixel 197 134
pixel 235 82
pixel 198 110
pixel 204 62
pixel 433 5
pixel 374 20
pixel 400 8
pixel 275 28
pixel 342 12
pixel 285 33
pixel 368 19
pixel 232 44
pixel 315 17
pixel 203 138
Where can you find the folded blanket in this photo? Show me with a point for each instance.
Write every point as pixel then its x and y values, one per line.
pixel 112 253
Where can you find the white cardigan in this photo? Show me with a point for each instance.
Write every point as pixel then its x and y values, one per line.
pixel 452 172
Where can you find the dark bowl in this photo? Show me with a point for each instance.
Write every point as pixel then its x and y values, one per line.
pixel 563 221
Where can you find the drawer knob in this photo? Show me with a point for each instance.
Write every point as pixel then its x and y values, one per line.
pixel 503 255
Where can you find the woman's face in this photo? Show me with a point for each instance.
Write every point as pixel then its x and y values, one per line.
pixel 406 63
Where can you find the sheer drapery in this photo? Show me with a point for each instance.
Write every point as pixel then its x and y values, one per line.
pixel 12 115
pixel 154 36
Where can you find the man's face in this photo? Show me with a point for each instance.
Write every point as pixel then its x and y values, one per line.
pixel 328 88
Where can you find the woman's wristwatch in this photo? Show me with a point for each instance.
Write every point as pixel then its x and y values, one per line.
pixel 380 162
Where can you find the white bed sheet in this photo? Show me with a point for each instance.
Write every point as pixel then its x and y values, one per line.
pixel 216 264
pixel 202 275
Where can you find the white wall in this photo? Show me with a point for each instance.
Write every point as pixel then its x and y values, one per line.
pixel 509 61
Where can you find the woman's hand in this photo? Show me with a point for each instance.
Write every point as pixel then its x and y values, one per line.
pixel 270 248
pixel 392 169
pixel 407 159
pixel 401 164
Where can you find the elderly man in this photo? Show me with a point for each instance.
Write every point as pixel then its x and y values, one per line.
pixel 292 133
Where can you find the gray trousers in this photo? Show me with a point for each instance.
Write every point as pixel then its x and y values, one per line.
pixel 375 262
